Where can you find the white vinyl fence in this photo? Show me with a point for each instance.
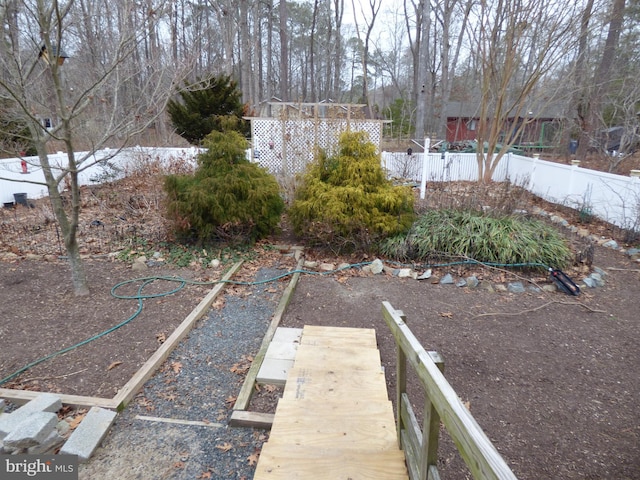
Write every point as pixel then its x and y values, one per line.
pixel 614 198
pixel 101 166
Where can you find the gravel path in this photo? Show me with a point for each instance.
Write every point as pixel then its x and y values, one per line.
pixel 193 393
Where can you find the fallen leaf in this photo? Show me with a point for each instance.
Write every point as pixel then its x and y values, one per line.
pixel 230 401
pixel 161 337
pixel 446 314
pixel 270 388
pixel 178 465
pixel 253 458
pixel 76 421
pixel 176 367
pixel 204 475
pixel 114 365
pixel 225 447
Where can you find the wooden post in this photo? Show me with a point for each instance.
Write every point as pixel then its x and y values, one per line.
pixel 430 428
pixel 401 384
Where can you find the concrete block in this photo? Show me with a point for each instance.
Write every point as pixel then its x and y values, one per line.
pixel 282 350
pixel 47 402
pixel 284 334
pixel 89 434
pixel 53 441
pixel 274 371
pixel 32 431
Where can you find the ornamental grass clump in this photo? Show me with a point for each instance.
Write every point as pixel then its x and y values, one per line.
pixel 469 234
pixel 227 198
pixel 345 201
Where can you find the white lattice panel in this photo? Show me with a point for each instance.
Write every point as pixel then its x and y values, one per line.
pixel 285 147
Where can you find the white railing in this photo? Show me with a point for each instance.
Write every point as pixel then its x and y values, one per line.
pixel 614 198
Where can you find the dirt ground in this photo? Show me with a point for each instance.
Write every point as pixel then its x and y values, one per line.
pixel 552 379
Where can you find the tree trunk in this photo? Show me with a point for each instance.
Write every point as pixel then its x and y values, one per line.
pixel 424 61
pixel 284 52
pixel 603 75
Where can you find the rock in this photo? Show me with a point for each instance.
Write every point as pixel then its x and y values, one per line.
pixel 461 283
pixel 446 280
pixel 472 281
pixel 376 266
pixel 634 253
pixel 139 266
pixel 611 244
pixel 550 288
pixel 327 267
pixel 344 266
pixel 600 271
pixel 589 282
pixel 33 256
pixel 487 287
pixel 63 427
pixel 310 265
pixel 597 278
pixel 404 273
pixel 516 287
pixel 500 288
pixel 583 232
pixel 215 263
pixel 425 275
pixel 157 255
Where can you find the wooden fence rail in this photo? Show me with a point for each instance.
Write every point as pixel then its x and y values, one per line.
pixel 441 404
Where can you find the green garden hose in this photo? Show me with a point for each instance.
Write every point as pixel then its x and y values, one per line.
pixel 140 296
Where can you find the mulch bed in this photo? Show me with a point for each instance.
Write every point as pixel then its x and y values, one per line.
pixel 551 379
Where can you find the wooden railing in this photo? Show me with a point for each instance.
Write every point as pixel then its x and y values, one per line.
pixel 441 404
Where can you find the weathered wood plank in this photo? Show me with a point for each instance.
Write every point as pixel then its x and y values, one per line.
pixel 244 397
pixel 242 418
pixel 20 397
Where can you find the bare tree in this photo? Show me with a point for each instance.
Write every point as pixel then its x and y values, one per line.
pixel 504 37
pixel 374 9
pixel 34 83
pixel 591 110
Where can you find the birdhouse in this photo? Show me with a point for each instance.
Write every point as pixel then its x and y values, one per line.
pixel 58 55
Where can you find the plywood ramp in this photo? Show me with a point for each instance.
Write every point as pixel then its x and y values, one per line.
pixel 335 420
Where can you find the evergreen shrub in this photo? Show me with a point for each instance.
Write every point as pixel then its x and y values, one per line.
pixel 345 201
pixel 227 198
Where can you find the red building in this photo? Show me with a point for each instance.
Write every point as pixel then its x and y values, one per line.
pixel 543 127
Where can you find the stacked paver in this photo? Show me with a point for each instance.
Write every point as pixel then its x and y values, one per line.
pixel 35 428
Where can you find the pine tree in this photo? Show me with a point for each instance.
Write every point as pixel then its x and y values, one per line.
pixel 213 104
